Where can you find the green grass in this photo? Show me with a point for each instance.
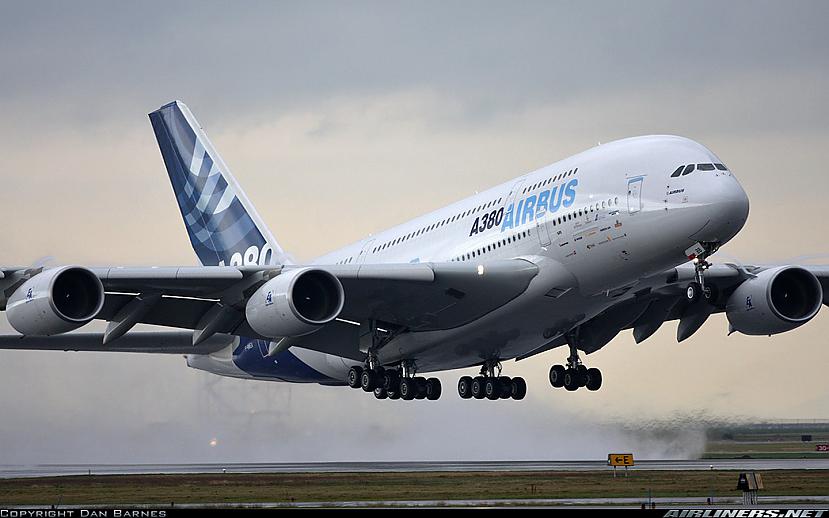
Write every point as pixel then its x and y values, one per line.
pixel 321 487
pixel 766 442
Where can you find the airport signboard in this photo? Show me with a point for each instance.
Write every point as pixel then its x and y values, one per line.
pixel 620 459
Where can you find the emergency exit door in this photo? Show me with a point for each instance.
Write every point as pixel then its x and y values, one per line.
pixel 635 194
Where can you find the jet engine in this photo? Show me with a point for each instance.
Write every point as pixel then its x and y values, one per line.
pixel 295 303
pixel 55 301
pixel 775 301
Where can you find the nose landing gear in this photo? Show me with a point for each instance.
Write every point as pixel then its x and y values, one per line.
pixel 699 254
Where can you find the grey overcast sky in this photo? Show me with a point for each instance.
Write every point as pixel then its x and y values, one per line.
pixel 343 118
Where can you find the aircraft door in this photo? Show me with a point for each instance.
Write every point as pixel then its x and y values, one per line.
pixel 364 252
pixel 513 194
pixel 542 230
pixel 635 194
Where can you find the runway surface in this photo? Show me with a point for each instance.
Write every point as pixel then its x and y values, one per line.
pixel 45 470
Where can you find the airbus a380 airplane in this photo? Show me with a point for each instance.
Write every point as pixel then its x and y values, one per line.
pixel 568 255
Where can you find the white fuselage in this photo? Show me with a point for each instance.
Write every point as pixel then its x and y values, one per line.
pixel 610 216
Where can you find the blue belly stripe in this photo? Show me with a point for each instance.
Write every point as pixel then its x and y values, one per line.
pixel 249 356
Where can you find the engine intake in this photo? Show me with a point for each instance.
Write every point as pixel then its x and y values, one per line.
pixel 295 303
pixel 777 300
pixel 55 301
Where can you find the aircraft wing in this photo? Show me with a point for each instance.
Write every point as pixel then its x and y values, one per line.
pixel 646 305
pixel 418 297
pixel 166 342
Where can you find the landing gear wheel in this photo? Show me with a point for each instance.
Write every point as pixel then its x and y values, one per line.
pixel 353 378
pixel 572 380
pixel 519 388
pixel 421 388
pixel 478 387
pixel 506 387
pixel 433 389
pixel 465 387
pixel 408 389
pixel 368 380
pixel 582 370
pixel 594 379
pixel 693 292
pixel 557 375
pixel 393 395
pixel 380 393
pixel 390 379
pixel 492 388
pixel 710 293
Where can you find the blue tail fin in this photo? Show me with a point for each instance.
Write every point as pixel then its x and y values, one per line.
pixel 224 227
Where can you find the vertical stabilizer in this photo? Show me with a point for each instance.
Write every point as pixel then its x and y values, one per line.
pixel 223 226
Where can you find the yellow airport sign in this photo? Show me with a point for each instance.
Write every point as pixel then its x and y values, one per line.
pixel 620 459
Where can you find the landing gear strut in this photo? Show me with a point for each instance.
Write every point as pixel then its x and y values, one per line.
pixel 575 375
pixel 491 385
pixel 697 288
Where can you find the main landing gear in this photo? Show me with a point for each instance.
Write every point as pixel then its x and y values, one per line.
pixel 394 383
pixel 491 386
pixel 697 288
pixel 575 375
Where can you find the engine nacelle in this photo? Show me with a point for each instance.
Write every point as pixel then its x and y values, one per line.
pixel 295 303
pixel 777 300
pixel 55 301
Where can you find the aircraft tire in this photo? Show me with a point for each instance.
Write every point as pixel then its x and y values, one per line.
pixel 380 393
pixel 594 379
pixel 465 387
pixel 354 375
pixel 368 380
pixel 582 374
pixel 408 388
pixel 433 389
pixel 478 387
pixel 571 380
pixel 506 387
pixel 519 388
pixel 492 388
pixel 390 379
pixel 693 292
pixel 557 376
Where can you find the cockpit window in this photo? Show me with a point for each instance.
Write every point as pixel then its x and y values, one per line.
pixel 677 172
pixel 721 167
pixel 705 167
pixel 688 169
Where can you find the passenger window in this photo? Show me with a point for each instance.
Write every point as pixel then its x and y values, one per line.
pixel 705 167
pixel 688 169
pixel 720 167
pixel 678 171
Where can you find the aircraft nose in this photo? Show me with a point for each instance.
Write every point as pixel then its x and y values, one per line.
pixel 727 208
